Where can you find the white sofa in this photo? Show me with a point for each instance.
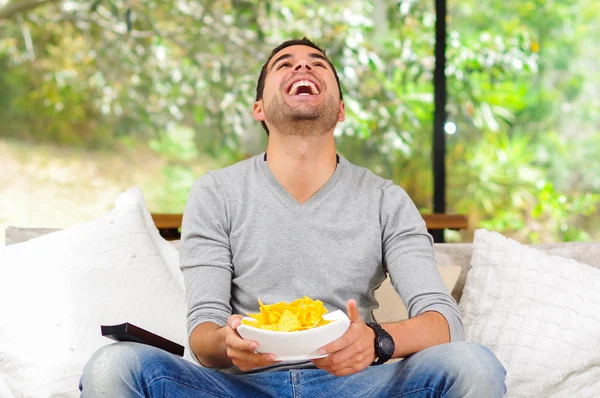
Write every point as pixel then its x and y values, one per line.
pixel 57 287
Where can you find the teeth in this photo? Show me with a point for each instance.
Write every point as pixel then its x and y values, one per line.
pixel 303 83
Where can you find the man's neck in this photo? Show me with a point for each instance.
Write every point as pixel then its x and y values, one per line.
pixel 302 165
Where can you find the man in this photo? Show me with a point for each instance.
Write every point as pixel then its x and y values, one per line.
pixel 301 220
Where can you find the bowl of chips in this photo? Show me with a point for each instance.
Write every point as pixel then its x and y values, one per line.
pixel 294 331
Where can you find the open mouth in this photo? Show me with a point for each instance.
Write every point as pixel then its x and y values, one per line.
pixel 303 87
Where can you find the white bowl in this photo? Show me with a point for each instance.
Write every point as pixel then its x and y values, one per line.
pixel 301 345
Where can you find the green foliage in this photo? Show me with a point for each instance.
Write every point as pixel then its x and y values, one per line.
pixel 175 144
pixel 556 215
pixel 496 172
pixel 536 178
pixel 181 76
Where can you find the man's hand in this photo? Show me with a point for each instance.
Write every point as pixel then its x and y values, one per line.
pixel 352 352
pixel 240 351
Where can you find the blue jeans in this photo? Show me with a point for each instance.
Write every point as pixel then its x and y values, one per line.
pixel 450 370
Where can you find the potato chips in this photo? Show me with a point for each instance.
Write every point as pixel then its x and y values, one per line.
pixel 300 314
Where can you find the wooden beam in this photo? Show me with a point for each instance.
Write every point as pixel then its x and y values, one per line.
pixel 167 221
pixel 446 221
pixel 168 224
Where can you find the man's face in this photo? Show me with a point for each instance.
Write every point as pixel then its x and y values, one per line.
pixel 301 94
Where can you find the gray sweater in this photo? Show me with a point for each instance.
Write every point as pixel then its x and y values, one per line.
pixel 244 237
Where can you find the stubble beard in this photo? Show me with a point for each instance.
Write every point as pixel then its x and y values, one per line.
pixel 303 120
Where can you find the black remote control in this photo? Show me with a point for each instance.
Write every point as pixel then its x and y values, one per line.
pixel 128 332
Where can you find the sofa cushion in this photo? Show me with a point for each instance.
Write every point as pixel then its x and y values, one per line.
pixel 540 315
pixel 56 291
pixel 453 254
pixel 392 309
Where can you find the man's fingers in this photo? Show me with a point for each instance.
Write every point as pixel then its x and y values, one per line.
pixel 242 352
pixel 341 359
pixel 234 341
pixel 247 361
pixel 349 356
pixel 340 367
pixel 253 357
pixel 345 341
pixel 342 370
pixel 336 345
pixel 268 358
pixel 353 314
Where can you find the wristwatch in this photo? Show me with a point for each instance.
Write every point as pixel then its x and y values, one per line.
pixel 384 344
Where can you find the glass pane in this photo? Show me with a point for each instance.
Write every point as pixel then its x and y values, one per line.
pixel 98 97
pixel 523 137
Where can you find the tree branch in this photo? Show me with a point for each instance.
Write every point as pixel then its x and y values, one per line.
pixel 84 24
pixel 15 7
pixel 27 38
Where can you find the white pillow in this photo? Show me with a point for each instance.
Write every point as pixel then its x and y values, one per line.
pixel 539 314
pixel 56 291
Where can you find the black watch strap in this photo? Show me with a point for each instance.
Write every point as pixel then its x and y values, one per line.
pixel 384 344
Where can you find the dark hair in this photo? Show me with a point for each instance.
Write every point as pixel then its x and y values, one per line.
pixel 260 86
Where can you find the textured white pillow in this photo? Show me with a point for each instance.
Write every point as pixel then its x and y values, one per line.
pixel 539 314
pixel 56 291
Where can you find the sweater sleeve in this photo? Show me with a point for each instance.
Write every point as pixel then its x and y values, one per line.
pixel 410 261
pixel 205 255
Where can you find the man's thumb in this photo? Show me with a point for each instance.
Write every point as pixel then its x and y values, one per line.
pixel 353 311
pixel 234 321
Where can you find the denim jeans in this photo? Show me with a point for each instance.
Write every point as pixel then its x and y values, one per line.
pixel 126 369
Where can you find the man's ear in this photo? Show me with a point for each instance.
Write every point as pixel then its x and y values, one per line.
pixel 257 111
pixel 342 114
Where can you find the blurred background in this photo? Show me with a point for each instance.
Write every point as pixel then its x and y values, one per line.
pixel 101 95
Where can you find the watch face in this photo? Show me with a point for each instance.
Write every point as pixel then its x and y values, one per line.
pixel 386 345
